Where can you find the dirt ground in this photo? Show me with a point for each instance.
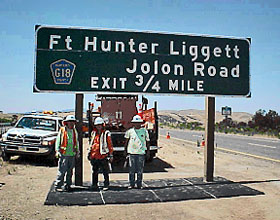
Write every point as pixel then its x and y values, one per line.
pixel 24 186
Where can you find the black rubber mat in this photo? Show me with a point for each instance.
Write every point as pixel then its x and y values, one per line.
pixel 162 190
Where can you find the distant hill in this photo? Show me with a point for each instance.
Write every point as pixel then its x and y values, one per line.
pixel 193 115
pixel 171 116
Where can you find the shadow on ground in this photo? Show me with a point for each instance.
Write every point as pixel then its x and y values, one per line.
pixel 32 160
pixel 157 165
pixel 161 190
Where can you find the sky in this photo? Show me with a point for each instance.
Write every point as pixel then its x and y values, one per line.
pixel 257 19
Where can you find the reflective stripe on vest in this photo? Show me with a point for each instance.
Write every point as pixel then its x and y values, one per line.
pixel 103 146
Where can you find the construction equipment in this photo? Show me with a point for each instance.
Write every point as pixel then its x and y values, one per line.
pixel 117 112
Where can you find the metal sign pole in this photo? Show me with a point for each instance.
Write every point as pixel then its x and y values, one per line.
pixel 79 126
pixel 209 138
pixel 89 116
pixel 156 120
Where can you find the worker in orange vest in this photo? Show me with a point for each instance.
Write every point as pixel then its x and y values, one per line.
pixel 67 148
pixel 100 153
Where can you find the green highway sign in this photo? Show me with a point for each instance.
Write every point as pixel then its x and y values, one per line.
pixel 101 60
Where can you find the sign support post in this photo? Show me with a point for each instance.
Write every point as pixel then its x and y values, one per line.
pixel 209 138
pixel 79 125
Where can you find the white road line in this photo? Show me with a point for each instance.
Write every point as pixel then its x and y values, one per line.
pixel 232 151
pixel 267 140
pixel 152 191
pixel 275 141
pixel 238 136
pixel 262 145
pixel 249 155
pixel 195 135
pixel 210 194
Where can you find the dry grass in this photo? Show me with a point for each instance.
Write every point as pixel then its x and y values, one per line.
pixel 193 115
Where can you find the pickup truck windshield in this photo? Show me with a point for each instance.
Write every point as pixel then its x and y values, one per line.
pixel 37 123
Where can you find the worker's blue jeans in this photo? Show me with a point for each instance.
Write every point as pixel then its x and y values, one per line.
pixel 136 165
pixel 65 166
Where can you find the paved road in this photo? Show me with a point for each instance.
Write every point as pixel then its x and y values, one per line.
pixel 264 148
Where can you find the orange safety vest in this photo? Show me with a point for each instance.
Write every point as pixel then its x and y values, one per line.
pixel 63 140
pixel 97 142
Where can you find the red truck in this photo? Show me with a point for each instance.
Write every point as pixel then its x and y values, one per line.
pixel 117 112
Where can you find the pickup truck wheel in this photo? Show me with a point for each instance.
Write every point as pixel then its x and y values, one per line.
pixel 5 156
pixel 53 162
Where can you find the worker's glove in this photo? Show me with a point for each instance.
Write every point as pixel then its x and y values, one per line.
pixel 110 158
pixel 88 157
pixel 148 154
pixel 126 161
pixel 78 155
pixel 57 154
pixel 124 154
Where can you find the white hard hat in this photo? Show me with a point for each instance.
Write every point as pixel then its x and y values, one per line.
pixel 98 121
pixel 137 118
pixel 70 118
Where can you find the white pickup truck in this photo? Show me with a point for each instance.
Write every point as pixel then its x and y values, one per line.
pixel 32 135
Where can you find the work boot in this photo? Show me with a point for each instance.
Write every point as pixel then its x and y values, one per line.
pixel 68 188
pixel 58 189
pixel 93 188
pixel 105 188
